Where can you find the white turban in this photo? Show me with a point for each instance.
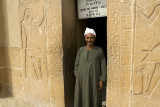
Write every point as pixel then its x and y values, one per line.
pixel 88 30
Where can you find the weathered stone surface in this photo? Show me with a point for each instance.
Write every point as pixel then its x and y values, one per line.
pixel 14 102
pixel 119 52
pixel 12 26
pixel 33 51
pixel 133 47
pixel 146 75
pixel 34 56
pixel 56 94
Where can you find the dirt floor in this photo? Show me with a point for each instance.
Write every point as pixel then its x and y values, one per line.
pixel 13 102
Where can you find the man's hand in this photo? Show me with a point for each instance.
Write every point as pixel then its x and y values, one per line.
pixel 100 85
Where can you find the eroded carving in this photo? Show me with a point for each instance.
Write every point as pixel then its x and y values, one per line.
pixel 146 75
pixel 150 13
pixel 33 38
pixel 30 2
pixel 150 70
pixel 54 45
pixel 114 35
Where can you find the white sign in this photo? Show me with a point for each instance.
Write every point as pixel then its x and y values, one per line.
pixel 92 8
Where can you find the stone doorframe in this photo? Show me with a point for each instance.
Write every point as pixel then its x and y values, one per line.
pixel 119 50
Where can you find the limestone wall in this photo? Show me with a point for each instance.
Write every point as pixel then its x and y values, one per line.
pixel 146 64
pixel 34 55
pixel 133 52
pixel 33 51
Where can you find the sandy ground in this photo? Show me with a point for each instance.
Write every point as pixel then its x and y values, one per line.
pixel 13 102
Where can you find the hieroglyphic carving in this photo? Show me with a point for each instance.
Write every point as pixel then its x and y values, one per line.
pixel 149 71
pixel 119 44
pixel 113 53
pixel 149 13
pixel 30 2
pixel 147 63
pixel 55 52
pixel 54 40
pixel 32 21
pixel 126 39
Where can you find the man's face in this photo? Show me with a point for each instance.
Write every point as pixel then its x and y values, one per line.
pixel 90 38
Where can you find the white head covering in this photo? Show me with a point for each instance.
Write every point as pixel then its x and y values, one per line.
pixel 88 30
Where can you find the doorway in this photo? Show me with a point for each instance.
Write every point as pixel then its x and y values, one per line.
pixel 100 27
pixel 73 39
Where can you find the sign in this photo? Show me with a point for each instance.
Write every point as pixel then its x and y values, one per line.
pixel 92 8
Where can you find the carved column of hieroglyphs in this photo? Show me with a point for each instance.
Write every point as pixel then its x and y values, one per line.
pixel 119 52
pixel 126 48
pixel 113 87
pixel 55 52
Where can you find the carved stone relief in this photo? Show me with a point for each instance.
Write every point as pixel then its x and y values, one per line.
pixel 119 52
pixel 34 37
pixel 41 51
pixel 54 40
pixel 147 48
pixel 114 52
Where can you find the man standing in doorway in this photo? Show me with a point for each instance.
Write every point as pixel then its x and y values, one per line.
pixel 90 72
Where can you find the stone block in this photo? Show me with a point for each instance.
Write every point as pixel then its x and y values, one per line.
pixel 56 89
pixel 18 92
pixel 17 77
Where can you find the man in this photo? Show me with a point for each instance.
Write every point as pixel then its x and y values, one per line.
pixel 90 72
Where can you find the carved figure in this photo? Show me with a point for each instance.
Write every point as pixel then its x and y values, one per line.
pixel 34 40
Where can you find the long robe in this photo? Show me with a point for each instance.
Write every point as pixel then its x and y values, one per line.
pixel 90 68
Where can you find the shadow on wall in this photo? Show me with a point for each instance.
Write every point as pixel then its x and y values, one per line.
pixel 5 71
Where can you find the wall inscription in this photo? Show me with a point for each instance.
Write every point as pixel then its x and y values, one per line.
pixel 147 64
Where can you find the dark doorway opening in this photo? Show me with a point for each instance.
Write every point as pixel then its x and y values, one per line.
pixel 100 26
